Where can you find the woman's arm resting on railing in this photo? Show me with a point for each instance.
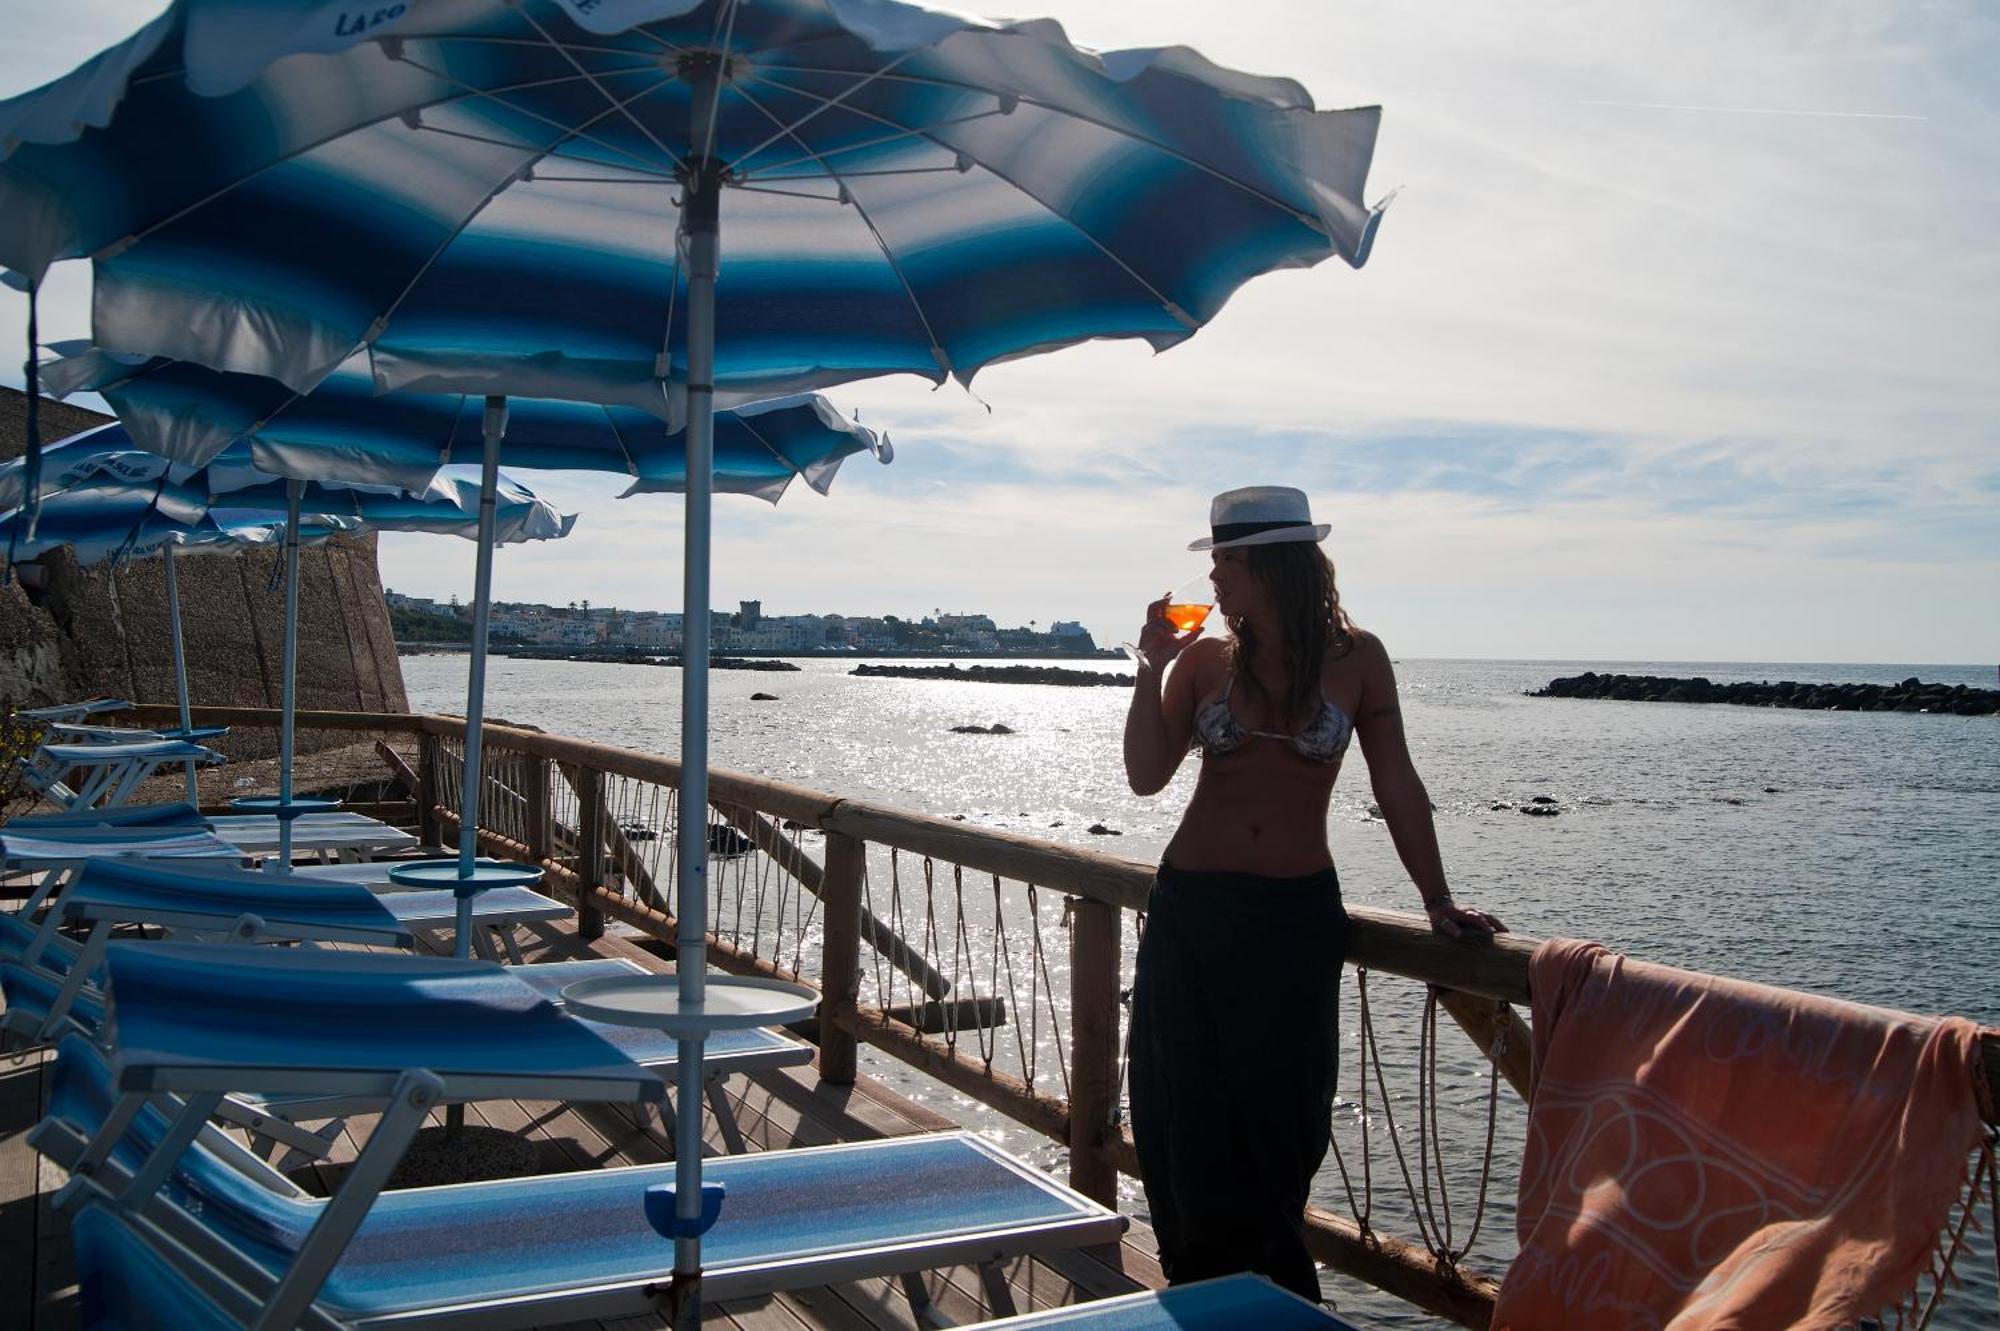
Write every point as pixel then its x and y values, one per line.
pixel 1400 794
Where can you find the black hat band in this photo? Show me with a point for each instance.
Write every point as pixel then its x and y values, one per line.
pixel 1236 531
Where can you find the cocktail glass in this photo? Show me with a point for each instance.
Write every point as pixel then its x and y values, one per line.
pixel 1187 609
pixel 1188 604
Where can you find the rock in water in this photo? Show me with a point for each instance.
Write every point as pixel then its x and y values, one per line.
pixel 728 841
pixel 1099 829
pixel 763 697
pixel 1912 695
pixel 1010 674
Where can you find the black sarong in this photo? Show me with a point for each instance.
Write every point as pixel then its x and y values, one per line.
pixel 1235 1037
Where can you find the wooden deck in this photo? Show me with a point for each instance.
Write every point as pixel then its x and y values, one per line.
pixel 776 1110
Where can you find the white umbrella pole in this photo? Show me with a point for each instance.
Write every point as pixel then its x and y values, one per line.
pixel 180 661
pixel 493 427
pixel 700 218
pixel 294 495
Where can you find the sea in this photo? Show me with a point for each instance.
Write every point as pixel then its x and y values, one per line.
pixel 1854 854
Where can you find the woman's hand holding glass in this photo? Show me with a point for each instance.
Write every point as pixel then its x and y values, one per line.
pixel 1173 623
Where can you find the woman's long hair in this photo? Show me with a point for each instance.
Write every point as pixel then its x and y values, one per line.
pixel 1313 626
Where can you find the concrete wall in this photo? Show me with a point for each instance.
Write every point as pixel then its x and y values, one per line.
pixel 86 632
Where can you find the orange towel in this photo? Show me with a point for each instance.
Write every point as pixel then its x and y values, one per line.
pixel 1709 1155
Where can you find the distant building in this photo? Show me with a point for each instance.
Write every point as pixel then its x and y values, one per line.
pixel 749 614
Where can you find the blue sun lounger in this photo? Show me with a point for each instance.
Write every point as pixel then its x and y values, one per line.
pixel 476 1254
pixel 39 848
pixel 246 905
pixel 333 832
pixel 76 711
pixel 181 814
pixel 111 772
pixel 723 1053
pixel 84 732
pixel 127 1284
pixel 58 852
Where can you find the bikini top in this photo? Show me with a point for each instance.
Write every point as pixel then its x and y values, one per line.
pixel 1217 731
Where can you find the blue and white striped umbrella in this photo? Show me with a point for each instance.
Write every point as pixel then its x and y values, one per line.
pixel 99 488
pixel 531 197
pixel 486 193
pixel 108 499
pixel 188 413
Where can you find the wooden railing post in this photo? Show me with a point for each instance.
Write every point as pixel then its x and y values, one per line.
pixel 589 850
pixel 429 830
pixel 535 803
pixel 1093 1074
pixel 840 960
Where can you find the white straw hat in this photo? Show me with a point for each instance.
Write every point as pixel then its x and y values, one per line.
pixel 1260 515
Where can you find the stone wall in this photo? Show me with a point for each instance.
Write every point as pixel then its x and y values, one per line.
pixel 86 632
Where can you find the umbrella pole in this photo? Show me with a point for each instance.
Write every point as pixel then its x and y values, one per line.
pixel 700 218
pixel 493 428
pixel 295 491
pixel 180 661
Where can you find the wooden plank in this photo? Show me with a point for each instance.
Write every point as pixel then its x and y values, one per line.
pixel 20 1106
pixel 55 1268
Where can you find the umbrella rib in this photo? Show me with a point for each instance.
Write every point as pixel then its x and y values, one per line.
pixel 790 193
pixel 599 88
pixel 551 121
pixel 650 175
pixel 660 182
pixel 725 26
pixel 758 435
pixel 791 130
pixel 888 255
pixel 536 43
pixel 292 154
pixel 863 175
pixel 618 438
pixel 1169 305
pixel 768 71
pixel 878 142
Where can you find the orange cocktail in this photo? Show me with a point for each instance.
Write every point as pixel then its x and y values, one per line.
pixel 1186 617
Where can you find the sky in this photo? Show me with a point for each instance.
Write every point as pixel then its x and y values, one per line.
pixel 1680 341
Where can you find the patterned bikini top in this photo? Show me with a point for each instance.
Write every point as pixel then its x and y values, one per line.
pixel 1217 730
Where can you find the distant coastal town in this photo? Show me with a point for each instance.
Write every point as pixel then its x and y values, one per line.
pixel 581 628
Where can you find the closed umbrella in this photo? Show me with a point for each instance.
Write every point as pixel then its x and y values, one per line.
pixel 528 196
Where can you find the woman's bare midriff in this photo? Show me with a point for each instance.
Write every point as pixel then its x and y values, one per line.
pixel 1260 809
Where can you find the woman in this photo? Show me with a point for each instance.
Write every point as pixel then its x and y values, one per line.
pixel 1236 1004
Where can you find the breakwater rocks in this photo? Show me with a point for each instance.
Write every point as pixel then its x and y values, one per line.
pixel 1912 695
pixel 637 656
pixel 983 674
